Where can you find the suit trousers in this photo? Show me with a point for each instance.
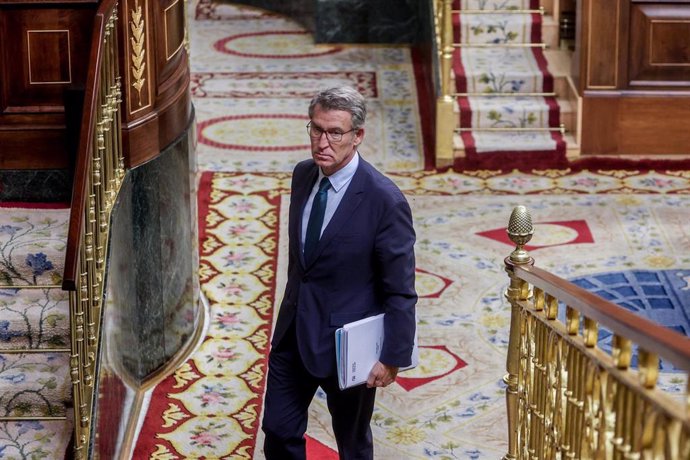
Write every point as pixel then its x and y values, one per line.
pixel 290 389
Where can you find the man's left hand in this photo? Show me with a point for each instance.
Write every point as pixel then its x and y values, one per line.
pixel 381 375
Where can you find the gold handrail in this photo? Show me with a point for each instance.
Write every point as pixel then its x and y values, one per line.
pixel 565 397
pixel 539 11
pixel 499 45
pixel 444 102
pixel 98 176
pixel 560 129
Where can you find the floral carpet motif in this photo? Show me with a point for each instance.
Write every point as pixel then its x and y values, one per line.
pixel 32 246
pixel 453 405
pixel 34 440
pixel 34 384
pixel 254 74
pixel 33 316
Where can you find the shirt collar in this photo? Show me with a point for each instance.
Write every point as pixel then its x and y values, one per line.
pixel 341 177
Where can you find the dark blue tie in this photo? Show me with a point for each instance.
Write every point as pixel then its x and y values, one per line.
pixel 318 209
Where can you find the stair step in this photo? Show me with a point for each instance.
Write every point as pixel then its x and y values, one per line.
pixel 34 318
pixel 32 246
pixel 510 141
pixel 34 384
pixel 497 29
pixel 501 70
pixel 47 440
pixel 508 112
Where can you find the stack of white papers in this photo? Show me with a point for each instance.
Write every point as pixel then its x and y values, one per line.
pixel 358 347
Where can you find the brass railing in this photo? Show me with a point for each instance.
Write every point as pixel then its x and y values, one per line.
pixel 567 398
pixel 98 175
pixel 445 119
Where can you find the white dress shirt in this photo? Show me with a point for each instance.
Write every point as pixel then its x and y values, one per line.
pixel 340 181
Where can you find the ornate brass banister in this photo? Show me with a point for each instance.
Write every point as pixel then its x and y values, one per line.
pixel 98 175
pixel 668 344
pixel 445 121
pixel 565 397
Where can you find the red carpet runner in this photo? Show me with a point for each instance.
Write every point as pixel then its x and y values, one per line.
pixel 498 73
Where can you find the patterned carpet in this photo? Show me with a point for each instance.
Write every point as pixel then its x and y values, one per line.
pixel 253 74
pixel 34 316
pixel 621 234
pixel 452 406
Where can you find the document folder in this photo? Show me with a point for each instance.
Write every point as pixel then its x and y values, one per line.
pixel 358 347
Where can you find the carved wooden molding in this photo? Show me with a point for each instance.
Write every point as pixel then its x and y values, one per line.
pixel 138 54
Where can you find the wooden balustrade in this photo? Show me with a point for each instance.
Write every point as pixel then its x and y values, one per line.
pixel 567 398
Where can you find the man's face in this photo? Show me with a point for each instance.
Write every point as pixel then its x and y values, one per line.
pixel 328 155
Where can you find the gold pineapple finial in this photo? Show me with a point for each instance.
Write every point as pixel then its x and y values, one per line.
pixel 520 231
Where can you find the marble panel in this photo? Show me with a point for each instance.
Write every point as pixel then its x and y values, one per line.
pixel 152 266
pixel 35 185
pixel 152 289
pixel 355 21
pixel 301 11
pixel 368 21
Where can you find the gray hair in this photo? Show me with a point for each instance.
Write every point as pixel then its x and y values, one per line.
pixel 342 98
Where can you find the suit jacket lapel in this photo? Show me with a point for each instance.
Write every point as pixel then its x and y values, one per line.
pixel 352 199
pixel 300 195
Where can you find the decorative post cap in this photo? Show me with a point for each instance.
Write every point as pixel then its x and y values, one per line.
pixel 520 231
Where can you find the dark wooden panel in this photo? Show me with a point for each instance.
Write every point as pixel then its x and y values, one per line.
pixel 635 125
pixel 47 149
pixel 140 141
pixel 47 55
pixel 174 28
pixel 659 45
pixel 169 25
pixel 602 19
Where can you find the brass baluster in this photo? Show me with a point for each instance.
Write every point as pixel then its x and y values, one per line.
pixel 445 118
pixel 520 231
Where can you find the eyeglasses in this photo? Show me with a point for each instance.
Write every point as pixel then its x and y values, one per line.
pixel 334 136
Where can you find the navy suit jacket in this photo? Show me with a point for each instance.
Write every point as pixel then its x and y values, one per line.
pixel 363 265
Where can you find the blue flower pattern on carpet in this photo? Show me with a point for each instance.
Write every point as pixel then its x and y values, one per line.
pixel 661 296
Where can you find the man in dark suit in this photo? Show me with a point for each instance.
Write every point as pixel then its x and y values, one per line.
pixel 351 256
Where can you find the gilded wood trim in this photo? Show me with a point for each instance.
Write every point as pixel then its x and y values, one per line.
pixel 138 50
pixel 69 56
pixel 27 351
pixel 539 11
pixel 31 286
pixel 31 418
